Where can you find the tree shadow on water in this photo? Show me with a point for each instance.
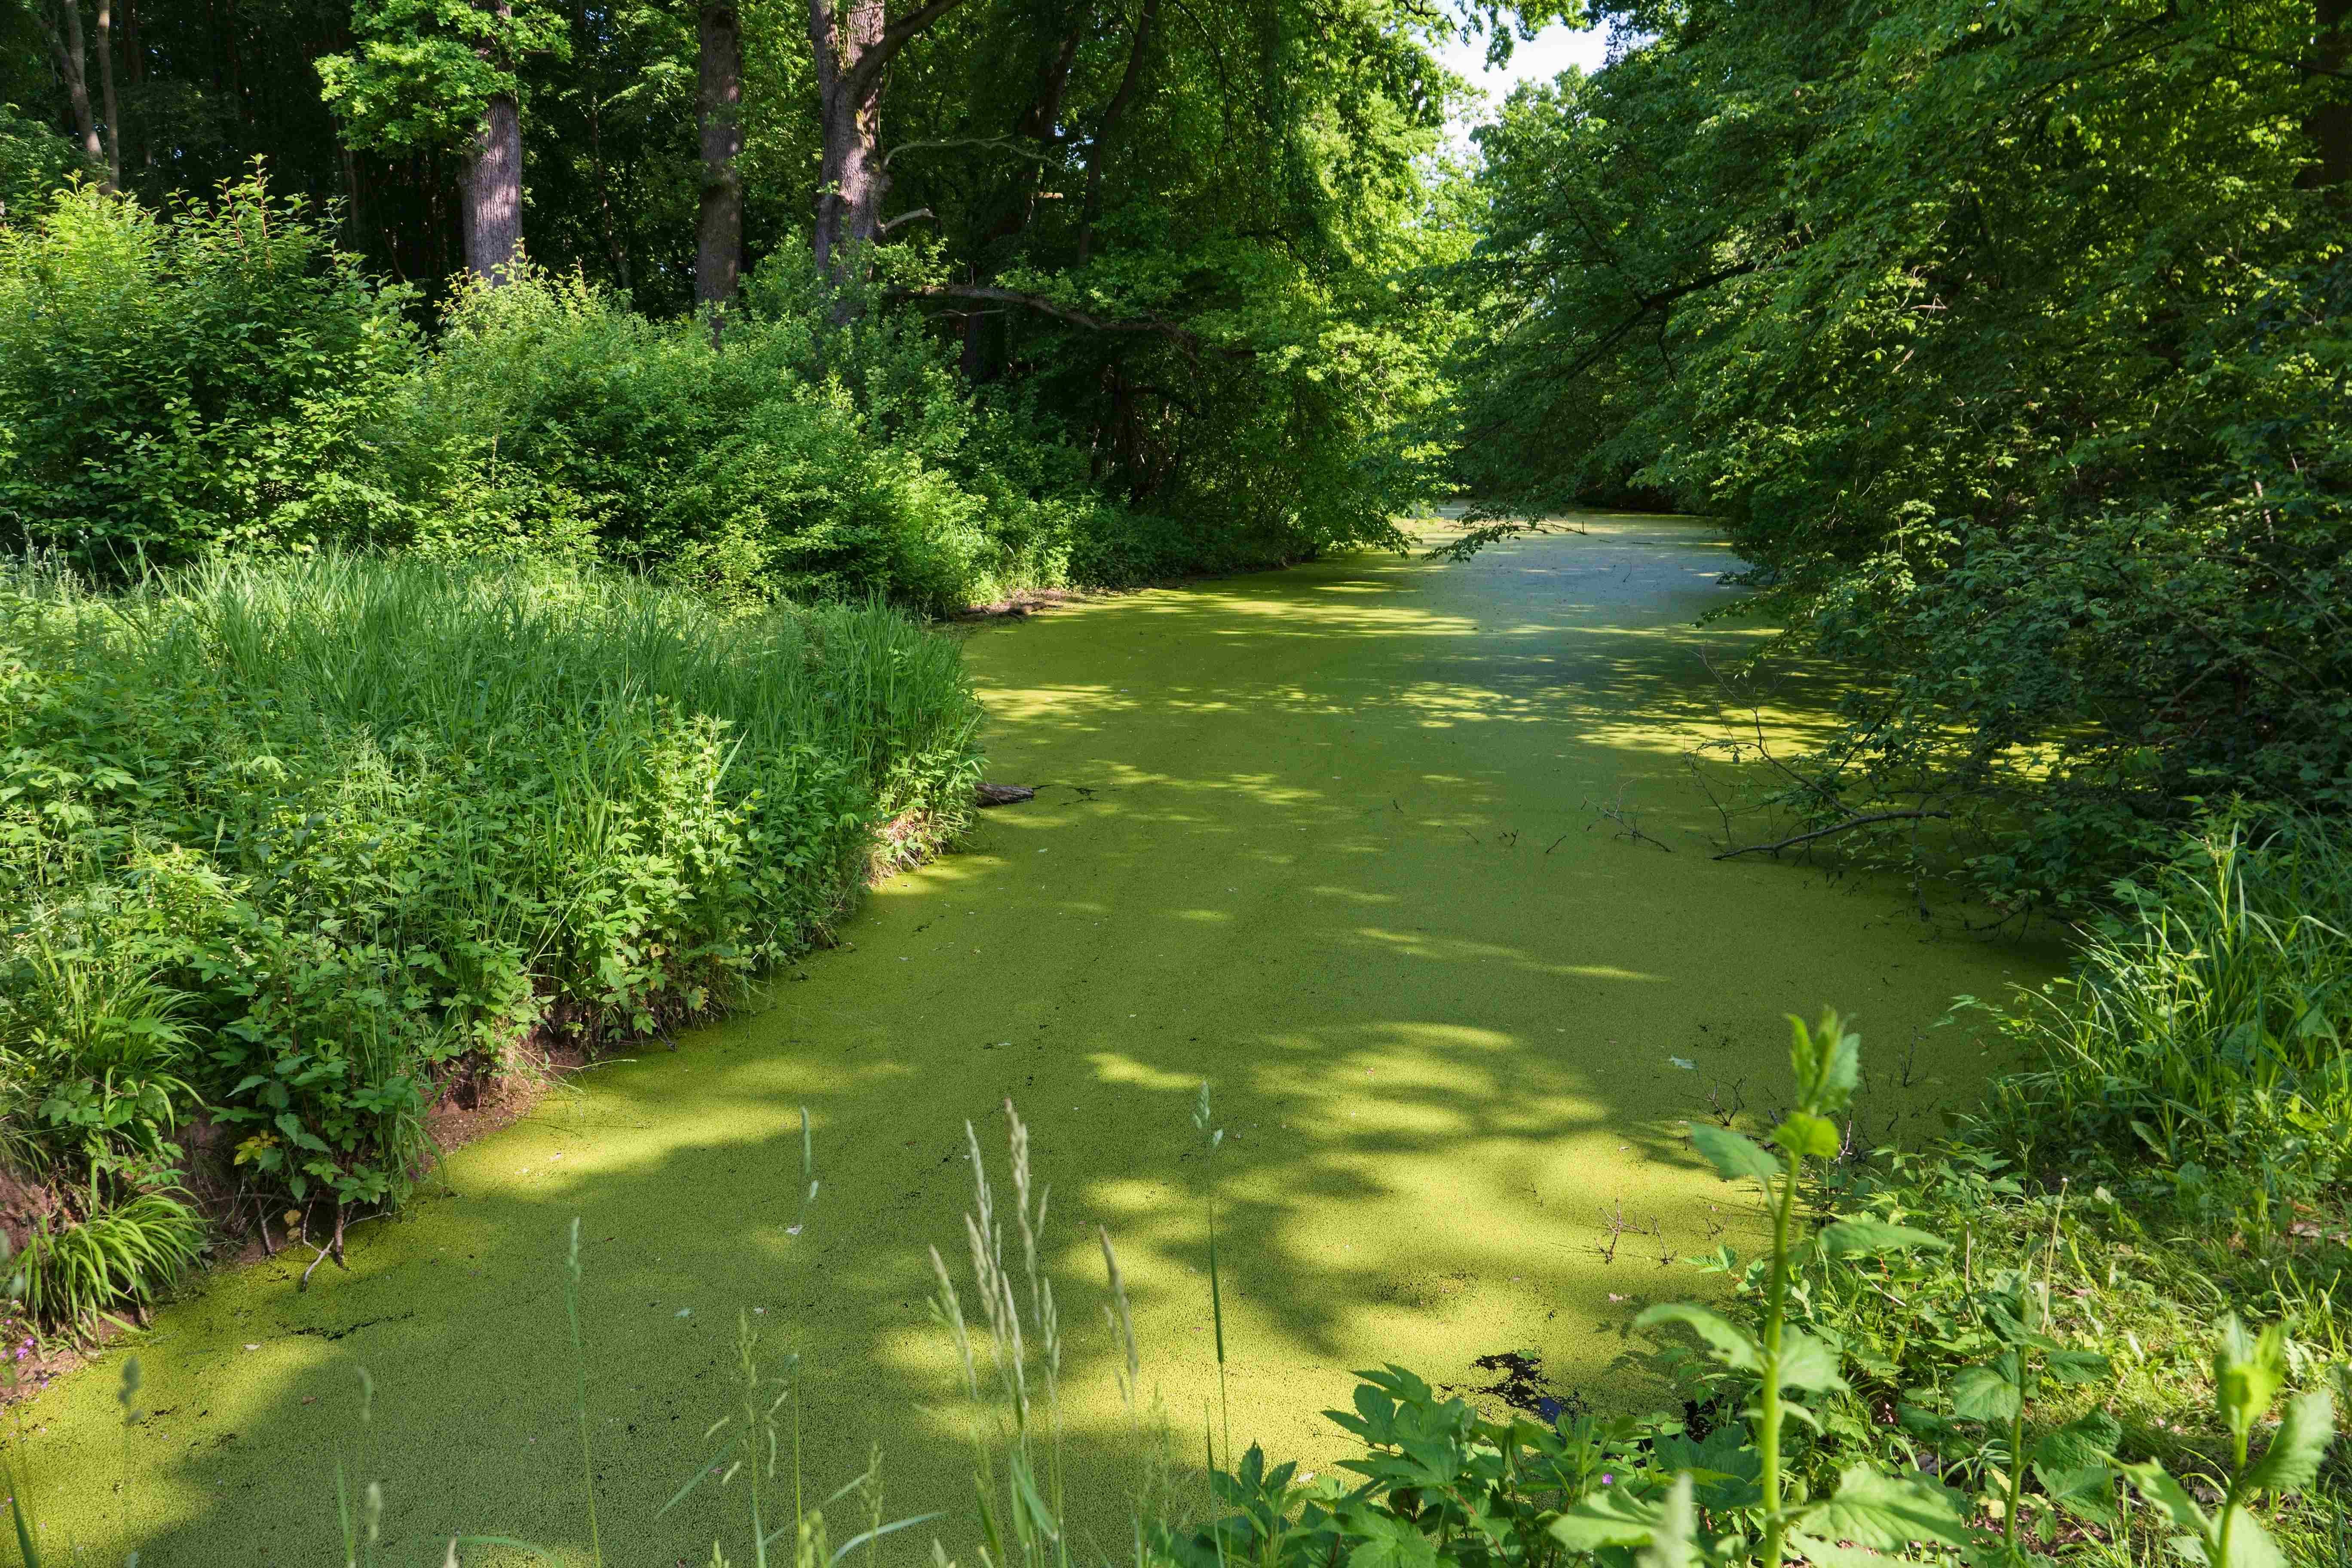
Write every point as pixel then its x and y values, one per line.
pixel 1315 838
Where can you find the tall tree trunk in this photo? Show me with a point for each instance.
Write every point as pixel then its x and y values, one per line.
pixel 718 234
pixel 854 42
pixel 492 214
pixel 1099 154
pixel 2329 124
pixel 493 209
pixel 851 179
pixel 67 53
pixel 611 229
pixel 106 92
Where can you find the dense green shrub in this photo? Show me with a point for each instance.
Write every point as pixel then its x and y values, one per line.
pixel 790 454
pixel 294 842
pixel 174 383
pixel 2195 1060
pixel 35 161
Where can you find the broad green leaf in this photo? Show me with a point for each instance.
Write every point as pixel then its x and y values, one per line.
pixel 2251 1545
pixel 1613 1516
pixel 2155 1483
pixel 2078 1366
pixel 1986 1394
pixel 1861 1237
pixel 1828 1554
pixel 2086 1441
pixel 1873 1509
pixel 2292 1460
pixel 1734 1156
pixel 1675 1541
pixel 2087 1493
pixel 2248 1371
pixel 1389 1542
pixel 1732 1346
pixel 1808 1362
pixel 1804 1136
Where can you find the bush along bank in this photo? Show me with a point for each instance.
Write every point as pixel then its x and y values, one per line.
pixel 1872 1387
pixel 2026 1345
pixel 291 848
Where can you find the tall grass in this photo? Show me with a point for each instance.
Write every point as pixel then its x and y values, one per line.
pixel 300 841
pixel 2197 1053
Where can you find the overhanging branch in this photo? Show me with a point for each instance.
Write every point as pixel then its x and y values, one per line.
pixel 1184 338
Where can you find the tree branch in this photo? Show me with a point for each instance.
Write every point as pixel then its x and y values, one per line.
pixel 1187 340
pixel 867 73
pixel 1825 832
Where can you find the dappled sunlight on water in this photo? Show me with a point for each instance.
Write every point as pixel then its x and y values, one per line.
pixel 1321 837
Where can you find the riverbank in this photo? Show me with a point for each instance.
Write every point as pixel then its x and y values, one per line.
pixel 1316 837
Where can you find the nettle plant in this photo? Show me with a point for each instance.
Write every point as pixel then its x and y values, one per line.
pixel 1870 1507
pixel 2002 1336
pixel 1440 1483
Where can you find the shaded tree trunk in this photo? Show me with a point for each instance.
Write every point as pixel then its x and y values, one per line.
pixel 491 214
pixel 718 234
pixel 106 94
pixel 69 56
pixel 1040 122
pixel 1113 112
pixel 2329 124
pixel 853 43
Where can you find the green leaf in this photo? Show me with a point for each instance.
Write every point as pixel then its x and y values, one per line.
pixel 1808 1362
pixel 1732 1155
pixel 24 1547
pixel 1613 1516
pixel 2087 1493
pixel 2086 1441
pixel 2155 1483
pixel 2248 1372
pixel 1827 1061
pixel 1827 1554
pixel 1889 1513
pixel 2078 1366
pixel 2292 1460
pixel 1731 1345
pixel 1675 1543
pixel 1803 1136
pixel 2251 1545
pixel 1986 1394
pixel 1863 1237
pixel 1389 1542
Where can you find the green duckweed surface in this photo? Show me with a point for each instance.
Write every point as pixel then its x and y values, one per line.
pixel 1318 837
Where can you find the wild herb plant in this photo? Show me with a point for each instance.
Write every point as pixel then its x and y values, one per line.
pixel 1013 1409
pixel 1442 1484
pixel 2249 1371
pixel 306 842
pixel 1869 1508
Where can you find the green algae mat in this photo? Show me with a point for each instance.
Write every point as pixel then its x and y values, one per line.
pixel 1318 836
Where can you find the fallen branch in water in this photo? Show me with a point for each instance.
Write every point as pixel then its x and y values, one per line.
pixel 1835 827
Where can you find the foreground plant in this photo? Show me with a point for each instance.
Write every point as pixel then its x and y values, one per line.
pixel 2249 1370
pixel 1870 1507
pixel 1442 1484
